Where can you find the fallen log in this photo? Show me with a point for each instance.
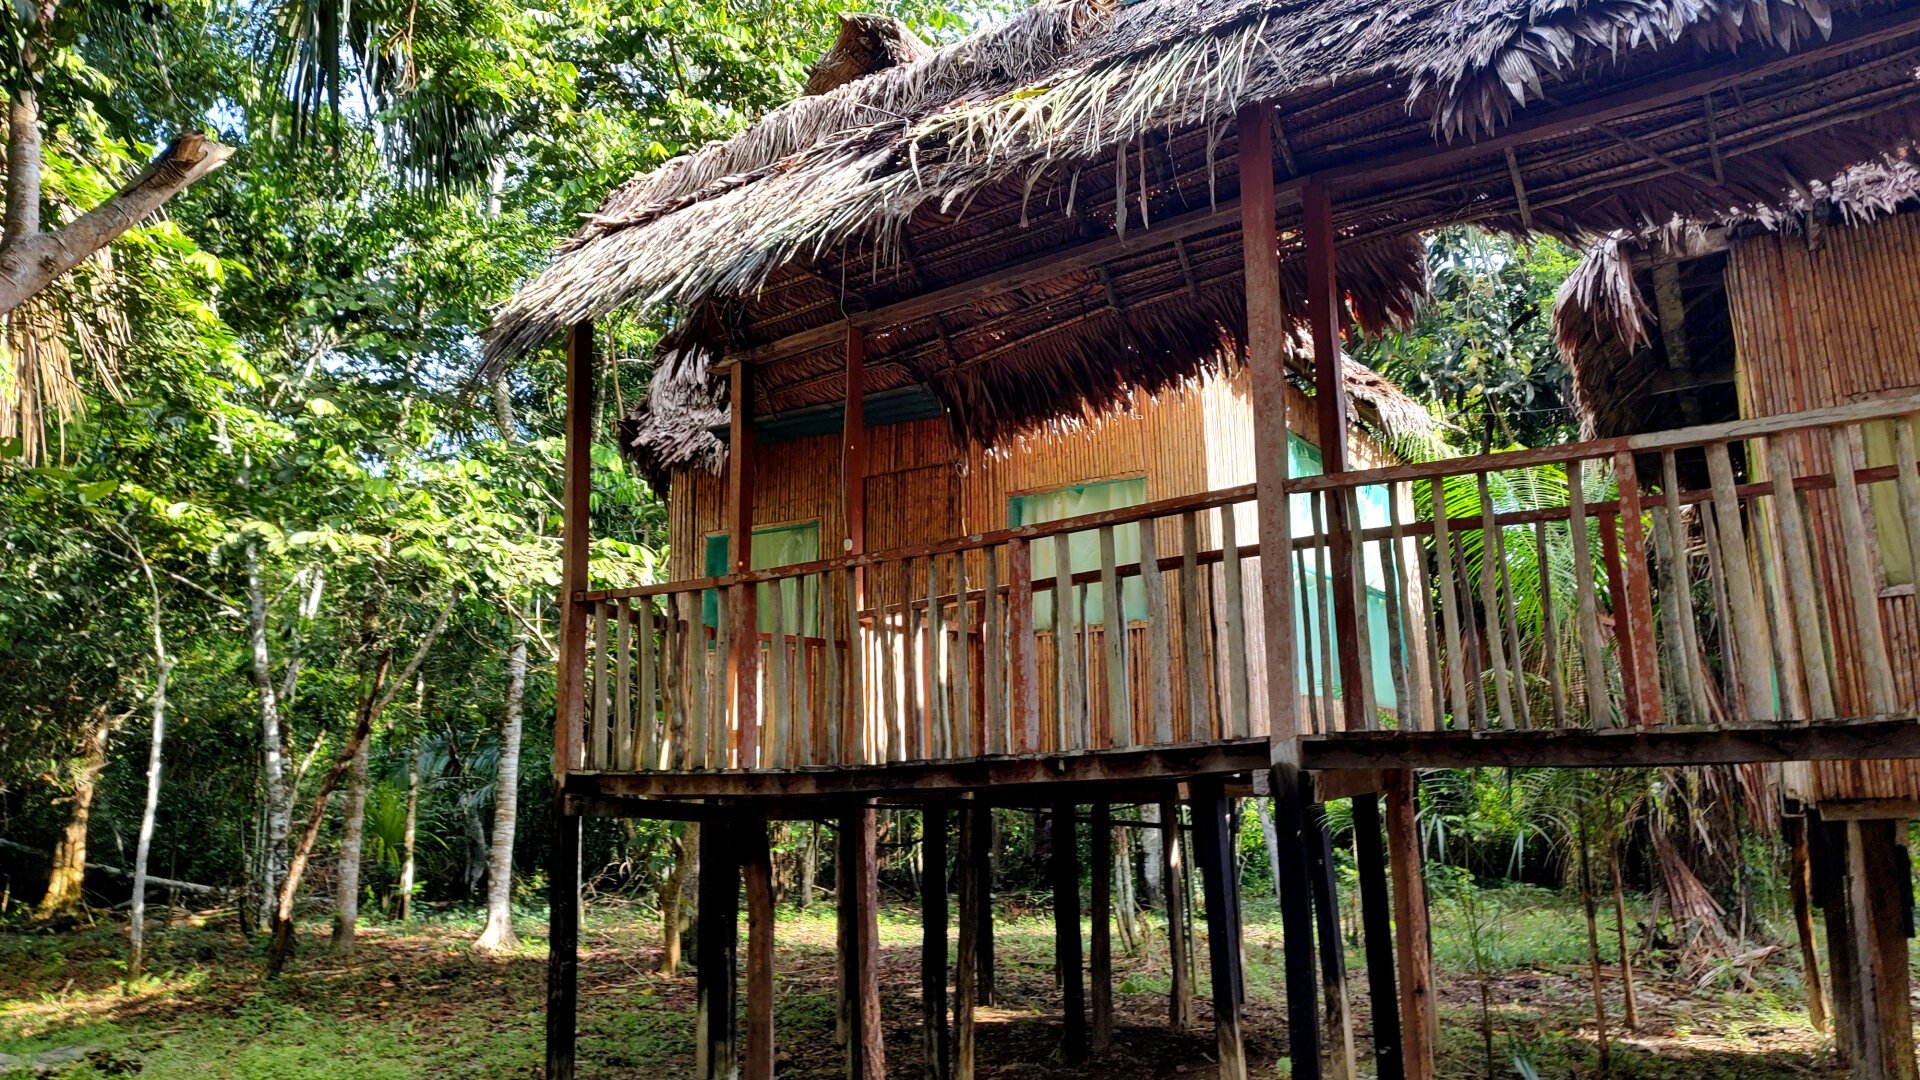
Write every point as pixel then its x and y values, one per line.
pixel 114 871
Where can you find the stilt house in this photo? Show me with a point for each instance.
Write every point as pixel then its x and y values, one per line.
pixel 1091 202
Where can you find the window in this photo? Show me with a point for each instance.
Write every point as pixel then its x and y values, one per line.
pixel 775 546
pixel 1303 459
pixel 1083 548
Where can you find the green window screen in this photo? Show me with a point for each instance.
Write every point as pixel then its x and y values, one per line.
pixel 1896 557
pixel 1303 459
pixel 779 545
pixel 1083 548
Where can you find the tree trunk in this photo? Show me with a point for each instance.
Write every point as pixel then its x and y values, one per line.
pixel 1593 950
pixel 1150 857
pixel 809 867
pixel 673 921
pixel 1264 811
pixel 410 832
pixel 346 898
pixel 137 936
pixel 64 895
pixel 498 935
pixel 273 771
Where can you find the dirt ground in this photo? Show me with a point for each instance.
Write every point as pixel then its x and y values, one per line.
pixel 416 1002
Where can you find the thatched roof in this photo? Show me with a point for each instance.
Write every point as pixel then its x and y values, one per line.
pixel 681 424
pixel 1080 121
pixel 1605 318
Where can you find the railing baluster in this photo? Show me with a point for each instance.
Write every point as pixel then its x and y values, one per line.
pixel 1770 537
pixel 1549 629
pixel 1023 689
pixel 1239 693
pixel 693 663
pixel 1119 703
pixel 939 730
pixel 833 747
pixel 649 737
pixel 1066 665
pixel 597 753
pixel 622 687
pixel 1083 655
pixel 1159 641
pixel 913 742
pixel 779 693
pixel 1393 566
pixel 1733 688
pixel 1637 617
pixel 1323 614
pixel 1672 580
pixel 1449 607
pixel 1193 666
pixel 1593 667
pixel 1907 483
pixel 1510 609
pixel 962 657
pixel 1695 684
pixel 1490 604
pixel 892 734
pixel 1311 690
pixel 1739 581
pixel 993 643
pixel 1862 580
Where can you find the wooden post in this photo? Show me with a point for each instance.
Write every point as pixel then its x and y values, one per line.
pixel 1827 849
pixel 744 657
pixel 933 941
pixel 1800 885
pixel 1376 916
pixel 570 696
pixel 717 940
pixel 1418 1030
pixel 1023 651
pixel 1639 651
pixel 1066 935
pixel 966 971
pixel 1879 890
pixel 853 460
pixel 1266 357
pixel 1213 849
pixel 859 946
pixel 1173 889
pixel 757 870
pixel 1100 940
pixel 1623 629
pixel 980 861
pixel 1333 958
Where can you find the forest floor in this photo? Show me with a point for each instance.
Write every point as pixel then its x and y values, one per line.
pixel 415 1002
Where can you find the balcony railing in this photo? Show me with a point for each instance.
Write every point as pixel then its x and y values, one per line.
pixel 1724 575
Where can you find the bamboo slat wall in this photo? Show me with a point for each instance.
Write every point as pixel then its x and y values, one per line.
pixel 1825 324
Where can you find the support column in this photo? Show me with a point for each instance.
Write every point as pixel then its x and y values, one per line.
pixel 757 871
pixel 966 971
pixel 1213 849
pixel 1066 935
pixel 980 862
pixel 1376 916
pixel 1173 889
pixel 716 1046
pixel 1827 843
pixel 1333 958
pixel 1266 358
pixel 1800 886
pixel 859 946
pixel 1412 944
pixel 569 731
pixel 1880 891
pixel 933 941
pixel 743 663
pixel 1101 931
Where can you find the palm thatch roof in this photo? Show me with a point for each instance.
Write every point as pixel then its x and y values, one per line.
pixel 1055 194
pixel 1607 315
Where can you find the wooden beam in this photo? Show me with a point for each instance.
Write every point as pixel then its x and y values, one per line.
pixel 1800 888
pixel 743 659
pixel 1100 941
pixel 1266 357
pixel 1880 891
pixel 933 943
pixel 1213 848
pixel 1618 748
pixel 981 861
pixel 757 870
pixel 716 1045
pixel 1419 1030
pixel 853 460
pixel 1066 935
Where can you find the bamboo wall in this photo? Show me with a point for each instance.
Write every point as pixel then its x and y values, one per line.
pixel 1818 325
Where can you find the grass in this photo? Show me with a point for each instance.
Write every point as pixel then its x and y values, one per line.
pixel 415 1002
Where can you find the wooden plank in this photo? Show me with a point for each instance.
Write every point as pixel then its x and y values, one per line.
pixel 1419 1019
pixel 1266 338
pixel 570 691
pixel 1593 667
pixel 1639 610
pixel 649 751
pixel 980 859
pixel 1023 677
pixel 962 663
pixel 994 647
pixel 854 445
pixel 1739 581
pixel 1289 802
pixel 706 729
pixel 934 1033
pixel 1490 605
pixel 756 866
pixel 1238 696
pixel 1393 564
pixel 1159 639
pixel 1066 664
pixel 1694 684
pixel 1449 607
pixel 1066 935
pixel 1213 845
pixel 779 686
pixel 1802 597
pixel 1100 940
pixel 866 1042
pixel 1173 891
pixel 1549 632
pixel 1730 644
pixel 1193 665
pixel 1114 643
pixel 1862 578
pixel 599 745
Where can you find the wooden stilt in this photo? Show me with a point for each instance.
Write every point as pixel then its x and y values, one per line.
pixel 1296 921
pixel 563 941
pixel 1213 849
pixel 1800 885
pixel 1376 917
pixel 1100 942
pixel 1333 960
pixel 1066 931
pixel 933 941
pixel 966 971
pixel 756 866
pixel 1879 884
pixel 980 861
pixel 1827 845
pixel 717 939
pixel 1418 1030
pixel 860 946
pixel 1173 889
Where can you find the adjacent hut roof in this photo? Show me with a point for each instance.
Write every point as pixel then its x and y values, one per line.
pixel 1607 314
pixel 1054 195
